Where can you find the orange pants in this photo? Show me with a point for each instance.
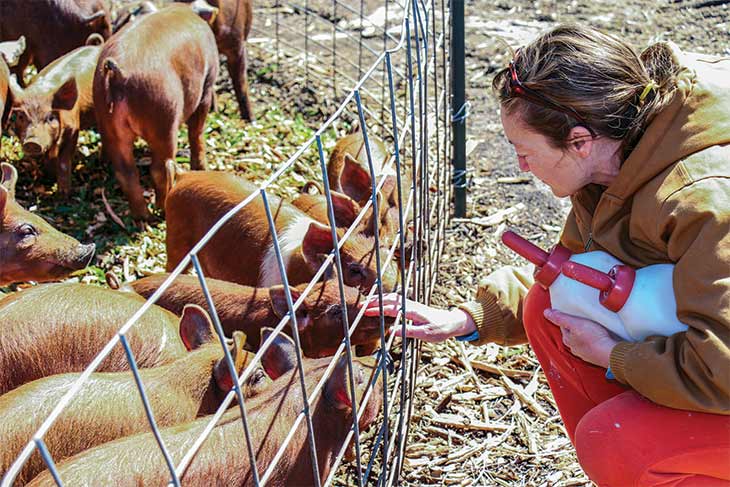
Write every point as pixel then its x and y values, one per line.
pixel 622 438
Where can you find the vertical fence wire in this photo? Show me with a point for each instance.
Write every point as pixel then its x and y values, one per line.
pixel 295 336
pixel 231 366
pixel 148 409
pixel 343 304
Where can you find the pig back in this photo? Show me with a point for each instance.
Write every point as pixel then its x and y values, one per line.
pixel 52 28
pixel 198 200
pixel 59 328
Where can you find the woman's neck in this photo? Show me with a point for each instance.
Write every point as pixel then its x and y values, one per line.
pixel 608 157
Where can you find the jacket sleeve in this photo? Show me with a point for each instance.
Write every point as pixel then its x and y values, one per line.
pixel 690 370
pixel 497 308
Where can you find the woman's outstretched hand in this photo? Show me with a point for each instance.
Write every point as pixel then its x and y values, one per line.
pixel 429 324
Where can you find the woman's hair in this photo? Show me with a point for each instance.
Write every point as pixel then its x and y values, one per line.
pixel 597 75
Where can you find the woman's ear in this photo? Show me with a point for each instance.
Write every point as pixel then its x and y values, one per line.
pixel 581 141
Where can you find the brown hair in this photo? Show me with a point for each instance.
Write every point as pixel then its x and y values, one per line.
pixel 598 75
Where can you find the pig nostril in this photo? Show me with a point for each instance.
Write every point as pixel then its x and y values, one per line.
pixel 32 148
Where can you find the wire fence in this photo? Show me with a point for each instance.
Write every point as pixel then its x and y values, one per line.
pixel 387 69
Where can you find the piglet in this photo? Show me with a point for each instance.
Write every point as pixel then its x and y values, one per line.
pixel 109 406
pixel 242 250
pixel 52 28
pixel 32 250
pixel 250 309
pixel 49 113
pixel 58 328
pixel 231 28
pixel 152 76
pixel 135 461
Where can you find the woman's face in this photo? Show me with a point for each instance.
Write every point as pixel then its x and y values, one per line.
pixel 564 170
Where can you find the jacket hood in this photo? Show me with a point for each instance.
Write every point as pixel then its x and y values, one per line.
pixel 698 117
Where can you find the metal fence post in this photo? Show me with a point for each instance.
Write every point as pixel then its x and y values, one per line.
pixel 458 107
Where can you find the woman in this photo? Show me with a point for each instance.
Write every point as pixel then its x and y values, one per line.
pixel 639 143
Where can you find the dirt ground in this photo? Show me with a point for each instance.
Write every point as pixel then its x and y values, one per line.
pixel 523 442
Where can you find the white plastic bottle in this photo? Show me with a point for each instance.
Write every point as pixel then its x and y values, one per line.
pixel 643 300
pixel 568 295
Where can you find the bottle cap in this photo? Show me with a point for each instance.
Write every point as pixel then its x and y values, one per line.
pixel 547 265
pixel 615 287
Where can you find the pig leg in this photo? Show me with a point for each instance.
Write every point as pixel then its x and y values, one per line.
pixel 237 62
pixel 163 148
pixel 64 161
pixel 119 151
pixel 196 126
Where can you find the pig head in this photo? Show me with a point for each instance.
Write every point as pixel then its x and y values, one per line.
pixel 321 318
pixel 30 248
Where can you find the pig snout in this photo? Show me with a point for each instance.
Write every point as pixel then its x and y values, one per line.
pixel 85 253
pixel 35 146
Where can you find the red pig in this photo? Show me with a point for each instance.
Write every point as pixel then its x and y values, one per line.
pixel 136 461
pixel 242 250
pixel 58 328
pixel 250 309
pixel 30 248
pixel 57 103
pixel 51 28
pixel 152 76
pixel 109 406
pixel 231 27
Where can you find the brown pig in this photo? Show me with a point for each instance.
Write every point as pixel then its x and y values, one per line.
pixel 136 461
pixel 59 328
pixel 30 248
pixel 48 114
pixel 231 28
pixel 250 309
pixel 152 76
pixel 51 28
pixel 242 250
pixel 109 406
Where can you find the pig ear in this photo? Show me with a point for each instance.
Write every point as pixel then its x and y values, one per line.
pixel 12 55
pixel 355 180
pixel 317 243
pixel 195 327
pixel 240 357
pixel 336 388
pixel 205 11
pixel 277 294
pixel 96 19
pixel 15 89
pixel 345 208
pixel 9 178
pixel 280 357
pixel 65 97
pixel 3 201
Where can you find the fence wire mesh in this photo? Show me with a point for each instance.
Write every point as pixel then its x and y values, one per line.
pixel 383 67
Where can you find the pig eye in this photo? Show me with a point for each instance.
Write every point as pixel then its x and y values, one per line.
pixel 27 230
pixel 51 117
pixel 356 269
pixel 257 376
pixel 334 311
